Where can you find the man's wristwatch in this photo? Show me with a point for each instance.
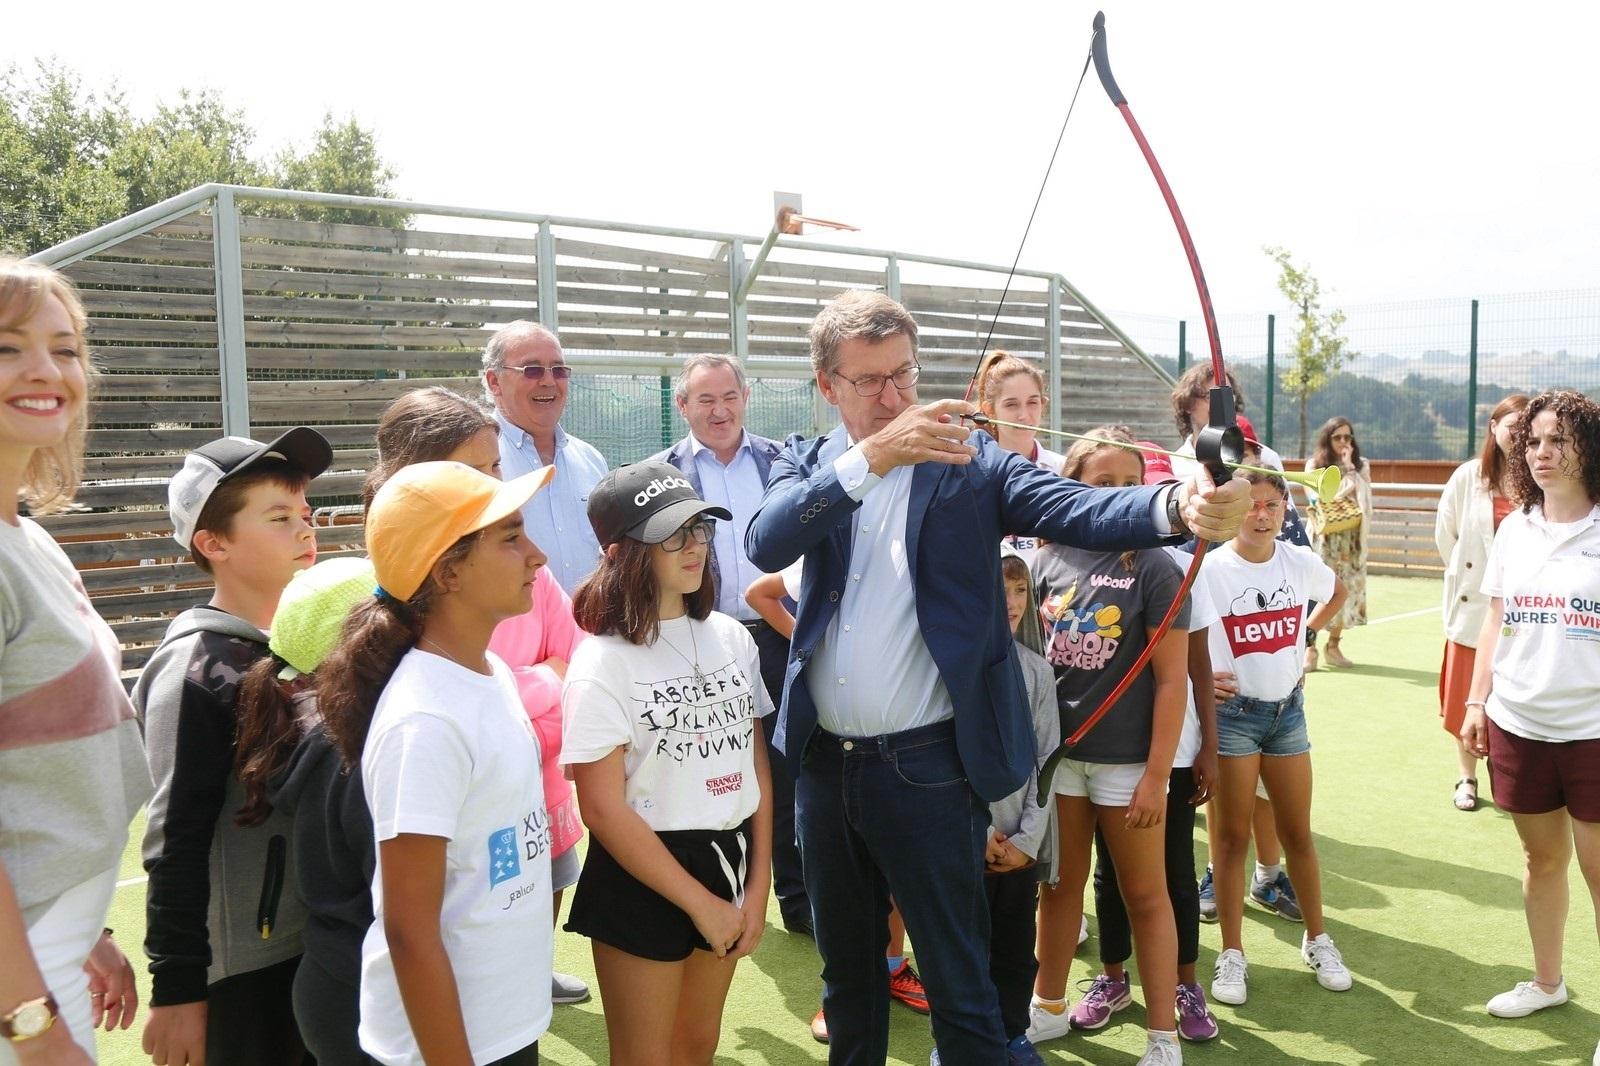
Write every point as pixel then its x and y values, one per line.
pixel 29 1019
pixel 1175 513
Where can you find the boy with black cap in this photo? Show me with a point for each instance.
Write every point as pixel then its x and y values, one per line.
pixel 223 934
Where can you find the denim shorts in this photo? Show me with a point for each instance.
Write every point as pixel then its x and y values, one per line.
pixel 1248 726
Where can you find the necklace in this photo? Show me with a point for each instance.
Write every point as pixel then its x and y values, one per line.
pixel 440 649
pixel 694 664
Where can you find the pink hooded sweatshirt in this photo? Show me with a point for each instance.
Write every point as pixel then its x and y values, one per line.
pixel 525 642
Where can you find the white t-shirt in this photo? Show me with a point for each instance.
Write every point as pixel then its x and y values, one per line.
pixel 451 754
pixel 1202 615
pixel 1547 661
pixel 688 748
pixel 1260 635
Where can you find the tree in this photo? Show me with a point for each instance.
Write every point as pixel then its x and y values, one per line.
pixel 72 158
pixel 1319 350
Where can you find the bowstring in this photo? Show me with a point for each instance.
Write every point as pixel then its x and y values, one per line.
pixel 1026 230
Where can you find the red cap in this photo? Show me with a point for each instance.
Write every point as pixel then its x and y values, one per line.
pixel 1248 430
pixel 1157 467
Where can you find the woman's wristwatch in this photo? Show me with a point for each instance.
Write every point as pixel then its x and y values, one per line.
pixel 30 1018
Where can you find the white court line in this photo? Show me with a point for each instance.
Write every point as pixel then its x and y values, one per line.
pixel 1401 617
pixel 132 881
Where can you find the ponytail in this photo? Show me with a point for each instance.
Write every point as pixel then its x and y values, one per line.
pixel 269 729
pixel 376 636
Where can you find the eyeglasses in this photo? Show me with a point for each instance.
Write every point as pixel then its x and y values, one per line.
pixel 537 371
pixel 1344 436
pixel 703 530
pixel 873 384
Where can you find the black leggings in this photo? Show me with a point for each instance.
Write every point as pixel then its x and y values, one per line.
pixel 250 1019
pixel 1116 938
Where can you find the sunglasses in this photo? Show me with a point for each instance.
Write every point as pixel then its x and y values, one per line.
pixel 1343 436
pixel 537 371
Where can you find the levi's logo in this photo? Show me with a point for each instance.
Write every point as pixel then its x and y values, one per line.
pixel 657 486
pixel 1262 622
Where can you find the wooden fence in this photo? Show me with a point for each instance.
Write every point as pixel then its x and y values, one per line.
pixel 208 315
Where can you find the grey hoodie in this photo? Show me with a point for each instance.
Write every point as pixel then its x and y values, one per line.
pixel 221 899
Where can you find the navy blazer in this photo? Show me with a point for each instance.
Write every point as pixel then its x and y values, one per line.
pixel 681 455
pixel 954 522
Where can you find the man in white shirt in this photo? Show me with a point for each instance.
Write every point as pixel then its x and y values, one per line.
pixel 904 707
pixel 728 466
pixel 526 377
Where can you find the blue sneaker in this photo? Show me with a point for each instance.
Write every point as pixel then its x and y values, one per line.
pixel 1208 898
pixel 1276 896
pixel 1021 1052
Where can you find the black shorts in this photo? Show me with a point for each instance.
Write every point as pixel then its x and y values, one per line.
pixel 614 907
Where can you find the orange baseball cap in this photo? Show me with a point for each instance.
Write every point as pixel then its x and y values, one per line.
pixel 426 507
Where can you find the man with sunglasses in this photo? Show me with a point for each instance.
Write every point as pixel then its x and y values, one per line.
pixel 729 466
pixel 526 376
pixel 904 709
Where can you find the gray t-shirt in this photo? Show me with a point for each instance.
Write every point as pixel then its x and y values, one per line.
pixel 1097 608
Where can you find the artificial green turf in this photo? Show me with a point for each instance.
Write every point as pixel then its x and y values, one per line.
pixel 1424 902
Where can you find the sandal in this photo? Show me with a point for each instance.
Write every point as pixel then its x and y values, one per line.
pixel 1336 657
pixel 1466 798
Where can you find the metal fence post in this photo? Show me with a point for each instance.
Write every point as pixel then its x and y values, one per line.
pixel 231 361
pixel 1052 354
pixel 1183 346
pixel 1272 373
pixel 738 320
pixel 1472 385
pixel 891 277
pixel 549 295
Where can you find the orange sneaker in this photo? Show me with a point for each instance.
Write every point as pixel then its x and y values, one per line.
pixel 906 986
pixel 819 1027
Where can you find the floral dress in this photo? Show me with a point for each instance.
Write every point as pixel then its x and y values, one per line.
pixel 1346 551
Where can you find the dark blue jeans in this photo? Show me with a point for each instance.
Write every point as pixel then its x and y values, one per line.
pixel 894 814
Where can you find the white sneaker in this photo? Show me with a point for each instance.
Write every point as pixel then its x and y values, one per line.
pixel 1083 931
pixel 1162 1051
pixel 1046 1025
pixel 1597 1055
pixel 1324 958
pixel 1526 998
pixel 1228 980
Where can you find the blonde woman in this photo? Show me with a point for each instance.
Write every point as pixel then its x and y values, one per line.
pixel 71 762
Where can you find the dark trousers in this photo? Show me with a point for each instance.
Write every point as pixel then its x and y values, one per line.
pixel 528 1056
pixel 896 814
pixel 1116 937
pixel 250 1019
pixel 788 882
pixel 328 1011
pixel 1013 914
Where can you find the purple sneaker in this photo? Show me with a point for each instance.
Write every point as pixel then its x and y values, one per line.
pixel 1195 1021
pixel 1105 996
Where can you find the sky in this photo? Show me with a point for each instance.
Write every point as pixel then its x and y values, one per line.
pixel 1404 150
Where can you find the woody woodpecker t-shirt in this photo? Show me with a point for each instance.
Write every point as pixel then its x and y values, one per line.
pixel 688 746
pixel 1260 636
pixel 1547 661
pixel 1096 613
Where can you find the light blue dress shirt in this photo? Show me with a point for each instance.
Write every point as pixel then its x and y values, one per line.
pixel 557 518
pixel 872 672
pixel 737 487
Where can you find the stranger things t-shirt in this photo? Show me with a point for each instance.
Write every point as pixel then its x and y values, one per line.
pixel 1097 613
pixel 1547 660
pixel 688 747
pixel 1260 637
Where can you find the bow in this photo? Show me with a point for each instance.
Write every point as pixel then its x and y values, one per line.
pixel 1218 443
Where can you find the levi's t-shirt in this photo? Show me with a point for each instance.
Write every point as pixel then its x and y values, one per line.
pixel 1096 613
pixel 688 747
pixel 1547 660
pixel 451 754
pixel 1260 635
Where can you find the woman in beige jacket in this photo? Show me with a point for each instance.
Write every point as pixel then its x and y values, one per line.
pixel 1470 510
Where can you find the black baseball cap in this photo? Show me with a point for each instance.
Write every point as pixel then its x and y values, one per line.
pixel 211 464
pixel 646 502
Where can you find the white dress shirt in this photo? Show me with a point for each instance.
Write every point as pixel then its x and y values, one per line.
pixel 736 486
pixel 557 518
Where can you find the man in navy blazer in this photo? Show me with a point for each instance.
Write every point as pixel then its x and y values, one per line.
pixel 904 710
pixel 729 466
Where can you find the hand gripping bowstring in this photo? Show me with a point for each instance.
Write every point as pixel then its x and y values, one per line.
pixel 1219 443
